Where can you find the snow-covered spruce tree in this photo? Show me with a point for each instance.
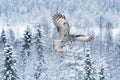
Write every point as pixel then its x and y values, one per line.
pixel 26 52
pixel 101 74
pixel 11 36
pixel 116 57
pixel 88 67
pixel 109 39
pixel 27 41
pixel 40 52
pixel 109 47
pixel 3 37
pixel 9 72
pixel 100 22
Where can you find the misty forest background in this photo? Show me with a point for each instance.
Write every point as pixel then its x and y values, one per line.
pixel 27 33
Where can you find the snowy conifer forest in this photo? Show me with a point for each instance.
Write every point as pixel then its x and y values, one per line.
pixel 27 33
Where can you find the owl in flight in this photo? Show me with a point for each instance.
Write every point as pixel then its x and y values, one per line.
pixel 63 29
